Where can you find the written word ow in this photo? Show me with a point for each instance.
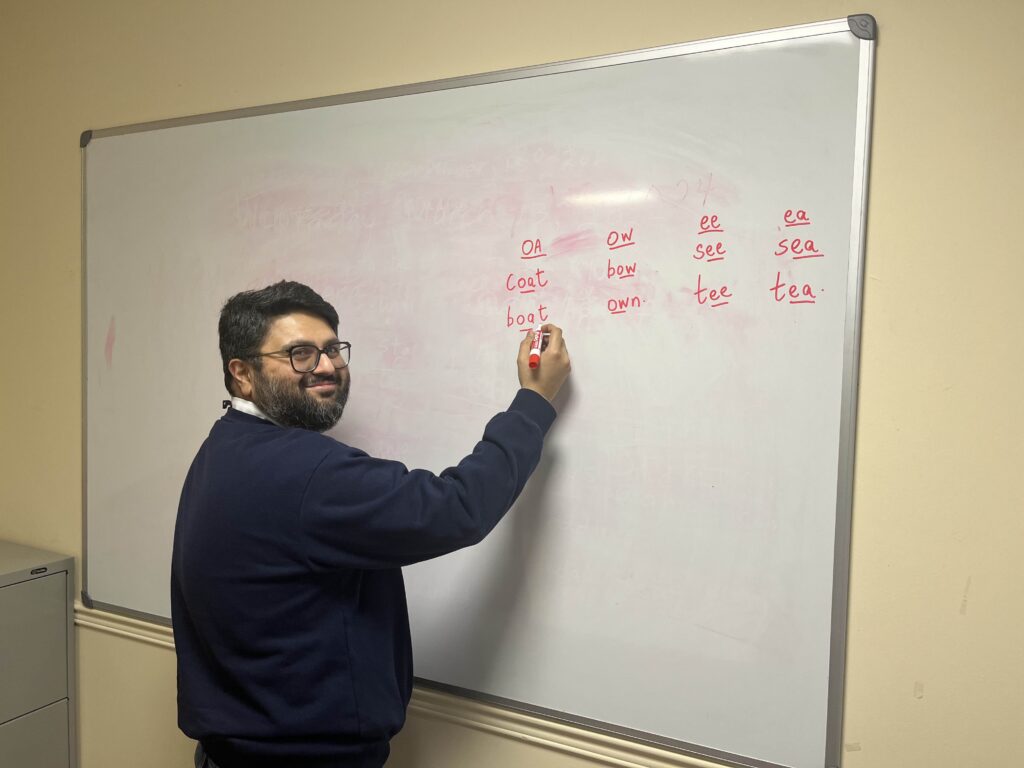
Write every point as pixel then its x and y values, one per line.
pixel 617 240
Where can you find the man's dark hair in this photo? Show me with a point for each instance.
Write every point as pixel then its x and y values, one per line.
pixel 246 317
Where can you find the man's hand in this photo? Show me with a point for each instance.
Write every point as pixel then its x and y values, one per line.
pixel 548 377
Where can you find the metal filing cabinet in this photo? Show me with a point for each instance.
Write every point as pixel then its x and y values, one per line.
pixel 37 671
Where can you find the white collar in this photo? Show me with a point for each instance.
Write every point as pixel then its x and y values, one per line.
pixel 248 406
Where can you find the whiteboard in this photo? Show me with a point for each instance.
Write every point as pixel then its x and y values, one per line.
pixel 691 215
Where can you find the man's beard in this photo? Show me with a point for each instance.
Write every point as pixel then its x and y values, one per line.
pixel 287 403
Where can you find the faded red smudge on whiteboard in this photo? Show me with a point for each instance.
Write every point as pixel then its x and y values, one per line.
pixel 108 347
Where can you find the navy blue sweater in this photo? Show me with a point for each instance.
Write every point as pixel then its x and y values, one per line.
pixel 287 598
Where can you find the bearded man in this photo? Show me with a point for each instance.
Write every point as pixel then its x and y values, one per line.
pixel 287 598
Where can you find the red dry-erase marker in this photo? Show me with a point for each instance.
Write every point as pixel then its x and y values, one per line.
pixel 535 347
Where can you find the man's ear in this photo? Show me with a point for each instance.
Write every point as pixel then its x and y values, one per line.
pixel 241 373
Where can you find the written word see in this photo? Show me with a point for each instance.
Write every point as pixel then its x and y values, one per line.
pixel 708 252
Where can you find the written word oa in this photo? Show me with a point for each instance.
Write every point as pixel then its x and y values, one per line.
pixel 532 249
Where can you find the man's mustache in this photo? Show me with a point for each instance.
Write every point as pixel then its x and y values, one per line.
pixel 310 380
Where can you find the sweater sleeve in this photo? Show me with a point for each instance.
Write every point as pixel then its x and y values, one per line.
pixel 362 512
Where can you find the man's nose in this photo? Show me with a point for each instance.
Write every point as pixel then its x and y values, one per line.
pixel 324 366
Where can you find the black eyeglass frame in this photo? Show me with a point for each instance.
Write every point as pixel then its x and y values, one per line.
pixel 344 355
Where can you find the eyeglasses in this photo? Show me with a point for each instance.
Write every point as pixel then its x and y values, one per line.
pixel 306 357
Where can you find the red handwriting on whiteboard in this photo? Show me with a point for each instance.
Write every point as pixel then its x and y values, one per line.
pixel 532 249
pixel 618 240
pixel 796 294
pixel 715 297
pixel 798 218
pixel 709 224
pixel 708 252
pixel 621 306
pixel 524 321
pixel 526 283
pixel 801 249
pixel 621 271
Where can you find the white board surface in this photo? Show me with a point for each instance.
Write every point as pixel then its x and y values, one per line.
pixel 690 216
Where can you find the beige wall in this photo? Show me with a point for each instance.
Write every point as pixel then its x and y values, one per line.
pixel 936 670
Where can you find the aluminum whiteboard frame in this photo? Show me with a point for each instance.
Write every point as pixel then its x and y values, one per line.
pixel 862 26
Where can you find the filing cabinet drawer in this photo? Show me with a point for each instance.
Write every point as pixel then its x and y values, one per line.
pixel 37 740
pixel 33 645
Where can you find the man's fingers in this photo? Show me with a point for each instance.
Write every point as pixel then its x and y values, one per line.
pixel 555 341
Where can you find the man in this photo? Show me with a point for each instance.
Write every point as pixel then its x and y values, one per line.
pixel 287 598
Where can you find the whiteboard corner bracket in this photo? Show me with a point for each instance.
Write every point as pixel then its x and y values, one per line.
pixel 863 25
